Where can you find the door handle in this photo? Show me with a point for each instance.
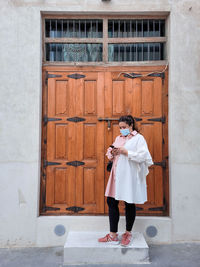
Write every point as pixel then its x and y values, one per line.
pixel 108 121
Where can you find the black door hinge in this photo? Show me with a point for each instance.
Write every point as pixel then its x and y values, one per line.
pixel 47 208
pixel 46 119
pixel 75 163
pixel 75 209
pixel 139 208
pixel 138 119
pixel 163 163
pixel 76 76
pixel 161 119
pixel 75 119
pixel 51 76
pixel 158 208
pixel 138 75
pixel 50 163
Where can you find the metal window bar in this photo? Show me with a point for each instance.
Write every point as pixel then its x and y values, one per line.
pixel 136 28
pixel 97 34
pixel 56 29
pixel 159 28
pixel 142 28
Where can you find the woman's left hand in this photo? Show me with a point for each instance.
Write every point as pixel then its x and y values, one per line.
pixel 123 151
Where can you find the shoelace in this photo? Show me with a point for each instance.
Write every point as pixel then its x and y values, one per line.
pixel 126 235
pixel 109 237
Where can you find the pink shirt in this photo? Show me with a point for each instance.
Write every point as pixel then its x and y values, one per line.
pixel 119 142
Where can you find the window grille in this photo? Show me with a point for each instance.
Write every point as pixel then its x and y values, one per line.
pixel 104 40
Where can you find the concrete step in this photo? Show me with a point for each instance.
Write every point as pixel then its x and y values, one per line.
pixel 84 248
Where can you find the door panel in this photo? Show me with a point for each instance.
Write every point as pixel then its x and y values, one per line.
pixel 142 98
pixel 70 140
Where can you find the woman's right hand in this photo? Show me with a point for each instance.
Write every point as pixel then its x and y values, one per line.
pixel 114 151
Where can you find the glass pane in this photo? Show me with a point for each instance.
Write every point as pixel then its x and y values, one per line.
pixel 135 52
pixel 74 52
pixel 73 28
pixel 136 28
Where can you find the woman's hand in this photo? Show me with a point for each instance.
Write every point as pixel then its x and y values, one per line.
pixel 123 151
pixel 120 150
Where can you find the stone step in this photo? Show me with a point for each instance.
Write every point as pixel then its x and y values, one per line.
pixel 84 248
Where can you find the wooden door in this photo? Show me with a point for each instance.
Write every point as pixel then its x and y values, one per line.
pixel 143 98
pixel 75 140
pixel 74 161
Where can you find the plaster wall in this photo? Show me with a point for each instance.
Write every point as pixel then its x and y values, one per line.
pixel 20 122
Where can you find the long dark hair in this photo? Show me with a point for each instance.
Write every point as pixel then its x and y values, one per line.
pixel 128 119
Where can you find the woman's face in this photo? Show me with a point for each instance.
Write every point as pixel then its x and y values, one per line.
pixel 124 125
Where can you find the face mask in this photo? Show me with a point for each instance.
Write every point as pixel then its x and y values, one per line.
pixel 124 132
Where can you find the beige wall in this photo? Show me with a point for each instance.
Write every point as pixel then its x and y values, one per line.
pixel 20 118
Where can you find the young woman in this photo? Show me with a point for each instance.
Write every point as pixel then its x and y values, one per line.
pixel 127 181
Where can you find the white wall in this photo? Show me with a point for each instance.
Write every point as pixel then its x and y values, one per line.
pixel 20 122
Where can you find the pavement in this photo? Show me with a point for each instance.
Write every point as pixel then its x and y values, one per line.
pixel 170 255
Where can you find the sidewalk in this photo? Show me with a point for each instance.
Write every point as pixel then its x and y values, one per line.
pixel 175 255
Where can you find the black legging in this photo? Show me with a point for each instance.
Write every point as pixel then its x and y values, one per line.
pixel 130 213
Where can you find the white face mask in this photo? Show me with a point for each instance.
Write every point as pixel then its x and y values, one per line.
pixel 124 132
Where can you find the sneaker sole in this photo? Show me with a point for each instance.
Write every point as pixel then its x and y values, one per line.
pixel 111 242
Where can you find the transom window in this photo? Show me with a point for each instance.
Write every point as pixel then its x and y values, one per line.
pixel 104 40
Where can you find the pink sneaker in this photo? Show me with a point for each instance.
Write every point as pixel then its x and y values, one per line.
pixel 126 239
pixel 110 239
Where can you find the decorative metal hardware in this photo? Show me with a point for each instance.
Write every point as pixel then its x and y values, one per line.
pixel 46 119
pixel 158 208
pixel 108 121
pixel 44 175
pixel 75 163
pixel 161 119
pixel 75 209
pixel 163 164
pixel 50 163
pixel 137 75
pixel 138 119
pixel 76 76
pixel 47 208
pixel 75 119
pixel 51 76
pixel 139 208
